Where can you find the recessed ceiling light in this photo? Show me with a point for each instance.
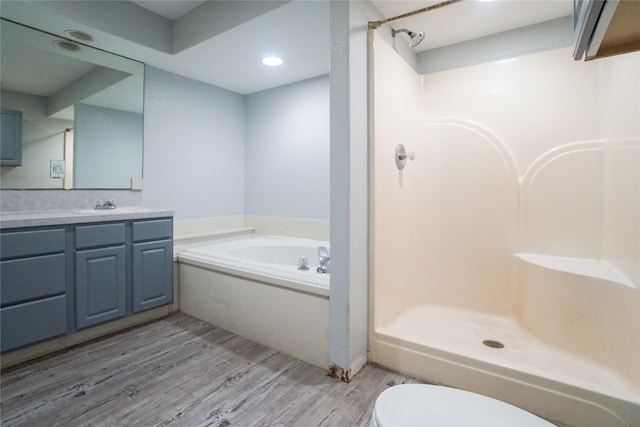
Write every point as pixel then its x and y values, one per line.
pixel 67 45
pixel 272 61
pixel 80 35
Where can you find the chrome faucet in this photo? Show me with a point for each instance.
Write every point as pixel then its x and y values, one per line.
pixel 303 263
pixel 323 255
pixel 108 204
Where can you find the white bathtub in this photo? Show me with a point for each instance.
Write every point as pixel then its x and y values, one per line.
pixel 252 286
pixel 273 259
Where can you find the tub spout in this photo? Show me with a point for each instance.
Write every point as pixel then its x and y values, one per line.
pixel 323 256
pixel 302 263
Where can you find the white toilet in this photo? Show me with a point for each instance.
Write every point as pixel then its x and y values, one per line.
pixel 431 405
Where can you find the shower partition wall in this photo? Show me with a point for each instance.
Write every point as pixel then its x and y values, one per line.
pixel 506 255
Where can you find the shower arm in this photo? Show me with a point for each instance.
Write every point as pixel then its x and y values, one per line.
pixel 401 30
pixel 376 24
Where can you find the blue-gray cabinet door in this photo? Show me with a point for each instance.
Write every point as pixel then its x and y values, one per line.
pixel 152 274
pixel 100 285
pixel 10 137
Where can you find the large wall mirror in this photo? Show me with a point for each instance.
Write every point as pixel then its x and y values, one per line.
pixel 81 113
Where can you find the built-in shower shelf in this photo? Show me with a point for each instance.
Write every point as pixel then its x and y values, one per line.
pixel 582 266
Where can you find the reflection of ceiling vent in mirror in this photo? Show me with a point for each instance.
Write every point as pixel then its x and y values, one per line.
pixel 80 35
pixel 67 45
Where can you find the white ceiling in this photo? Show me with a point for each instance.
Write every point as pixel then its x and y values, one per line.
pixel 170 9
pixel 33 64
pixel 299 31
pixel 470 19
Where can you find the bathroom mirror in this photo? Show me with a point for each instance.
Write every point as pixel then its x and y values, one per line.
pixel 82 112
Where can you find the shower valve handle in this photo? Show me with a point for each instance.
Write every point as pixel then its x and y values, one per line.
pixel 402 155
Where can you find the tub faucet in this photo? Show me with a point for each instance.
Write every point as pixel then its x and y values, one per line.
pixel 302 263
pixel 323 255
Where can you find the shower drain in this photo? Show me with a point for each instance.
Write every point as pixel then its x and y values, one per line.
pixel 493 344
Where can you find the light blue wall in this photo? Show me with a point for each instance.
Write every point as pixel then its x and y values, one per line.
pixel 107 152
pixel 348 314
pixel 211 152
pixel 287 150
pixel 193 147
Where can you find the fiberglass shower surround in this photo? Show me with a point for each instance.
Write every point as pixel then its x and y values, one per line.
pixel 516 224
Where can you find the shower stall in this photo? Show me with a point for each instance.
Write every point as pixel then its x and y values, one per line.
pixel 506 250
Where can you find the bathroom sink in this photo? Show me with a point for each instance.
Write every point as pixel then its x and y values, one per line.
pixel 122 210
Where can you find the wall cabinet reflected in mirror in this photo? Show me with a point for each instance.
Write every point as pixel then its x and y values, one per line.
pixel 11 137
pixel 81 113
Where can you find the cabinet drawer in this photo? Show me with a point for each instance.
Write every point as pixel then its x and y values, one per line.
pixel 152 230
pixel 28 243
pixel 99 235
pixel 29 278
pixel 34 321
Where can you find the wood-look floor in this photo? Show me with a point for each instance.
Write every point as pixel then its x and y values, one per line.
pixel 181 371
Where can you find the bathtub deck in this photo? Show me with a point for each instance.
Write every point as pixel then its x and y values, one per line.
pixel 185 372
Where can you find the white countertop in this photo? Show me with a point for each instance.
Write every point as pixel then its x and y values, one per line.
pixel 75 216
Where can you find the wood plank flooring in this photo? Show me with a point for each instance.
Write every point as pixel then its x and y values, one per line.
pixel 180 371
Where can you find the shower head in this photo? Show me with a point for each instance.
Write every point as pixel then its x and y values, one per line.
pixel 416 38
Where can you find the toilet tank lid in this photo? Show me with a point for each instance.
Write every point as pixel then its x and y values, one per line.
pixel 431 405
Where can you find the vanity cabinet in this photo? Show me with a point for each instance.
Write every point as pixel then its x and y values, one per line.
pixel 152 255
pixel 56 280
pixel 33 295
pixel 100 273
